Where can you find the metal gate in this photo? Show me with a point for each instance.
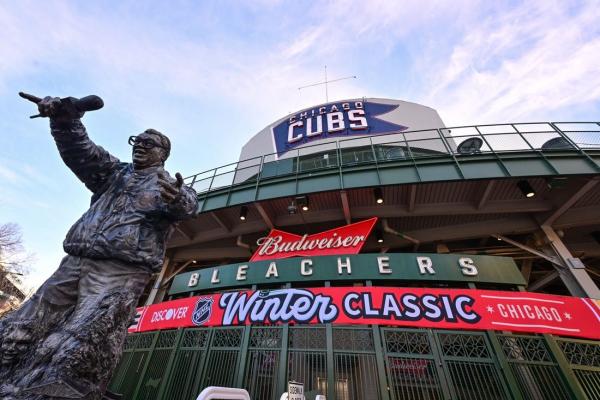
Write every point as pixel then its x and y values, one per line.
pixel 188 367
pixel 307 358
pixel 137 351
pixel 471 366
pixel 424 364
pixel 583 357
pixel 355 366
pixel 357 362
pixel 536 371
pixel 223 357
pixel 262 362
pixel 412 365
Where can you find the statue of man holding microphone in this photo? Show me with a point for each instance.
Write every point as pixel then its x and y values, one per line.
pixel 76 322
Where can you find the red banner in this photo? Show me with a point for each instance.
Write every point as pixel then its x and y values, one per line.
pixel 416 307
pixel 348 239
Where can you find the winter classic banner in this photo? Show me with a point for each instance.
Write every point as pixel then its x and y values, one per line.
pixel 416 307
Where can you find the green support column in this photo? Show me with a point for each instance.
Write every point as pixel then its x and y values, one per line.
pixel 283 357
pixel 379 360
pixel 283 363
pixel 330 358
pixel 239 382
pixel 442 371
pixel 565 368
pixel 513 385
pixel 383 383
pixel 167 375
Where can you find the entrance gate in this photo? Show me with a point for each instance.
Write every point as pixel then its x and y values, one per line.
pixel 424 365
pixel 358 363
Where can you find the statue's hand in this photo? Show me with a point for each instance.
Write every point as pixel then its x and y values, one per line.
pixel 58 109
pixel 170 192
pixel 49 106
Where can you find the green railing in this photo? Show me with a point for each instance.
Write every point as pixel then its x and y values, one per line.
pixel 491 151
pixel 542 138
pixel 358 363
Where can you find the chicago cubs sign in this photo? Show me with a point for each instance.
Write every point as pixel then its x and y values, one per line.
pixel 333 120
pixel 420 307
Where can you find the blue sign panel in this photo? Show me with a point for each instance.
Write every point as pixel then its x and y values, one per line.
pixel 333 120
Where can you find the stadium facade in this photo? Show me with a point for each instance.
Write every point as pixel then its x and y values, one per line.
pixel 366 250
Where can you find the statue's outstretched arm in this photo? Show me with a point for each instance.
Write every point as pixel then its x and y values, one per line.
pixel 91 163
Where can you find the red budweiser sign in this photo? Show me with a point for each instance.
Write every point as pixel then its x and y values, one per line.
pixel 347 239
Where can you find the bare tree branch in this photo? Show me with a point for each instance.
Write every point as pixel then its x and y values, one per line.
pixel 13 257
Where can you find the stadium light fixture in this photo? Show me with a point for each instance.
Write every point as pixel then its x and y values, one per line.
pixel 378 194
pixel 302 202
pixel 526 189
pixel 243 213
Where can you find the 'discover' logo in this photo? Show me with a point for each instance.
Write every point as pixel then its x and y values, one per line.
pixel 202 311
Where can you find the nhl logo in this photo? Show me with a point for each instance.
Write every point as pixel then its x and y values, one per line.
pixel 202 311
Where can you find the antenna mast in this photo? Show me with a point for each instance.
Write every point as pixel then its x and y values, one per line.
pixel 326 82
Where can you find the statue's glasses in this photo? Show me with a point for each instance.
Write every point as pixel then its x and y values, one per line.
pixel 143 142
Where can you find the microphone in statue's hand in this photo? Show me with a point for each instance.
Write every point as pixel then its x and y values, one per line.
pixel 70 105
pixel 87 103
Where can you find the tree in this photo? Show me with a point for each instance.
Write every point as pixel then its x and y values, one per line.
pixel 12 253
pixel 13 264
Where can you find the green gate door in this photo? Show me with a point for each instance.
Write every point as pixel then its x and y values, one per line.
pixel 262 362
pixel 138 349
pixel 536 371
pixel 584 359
pixel 412 365
pixel 307 359
pixel 355 366
pixel 223 357
pixel 434 365
pixel 471 366
pixel 189 365
pixel 154 376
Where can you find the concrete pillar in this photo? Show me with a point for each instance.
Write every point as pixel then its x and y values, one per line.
pixel 156 288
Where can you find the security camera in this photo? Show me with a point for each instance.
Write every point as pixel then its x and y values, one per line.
pixel 292 209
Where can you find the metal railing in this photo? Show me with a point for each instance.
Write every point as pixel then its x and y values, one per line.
pixel 455 142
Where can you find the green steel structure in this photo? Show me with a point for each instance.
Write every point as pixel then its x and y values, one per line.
pixel 457 201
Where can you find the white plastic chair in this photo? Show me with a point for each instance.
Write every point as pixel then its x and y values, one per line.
pixel 223 393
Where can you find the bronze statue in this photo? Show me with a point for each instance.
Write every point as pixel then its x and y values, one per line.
pixel 69 334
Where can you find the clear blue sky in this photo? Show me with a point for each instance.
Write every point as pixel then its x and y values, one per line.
pixel 211 74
